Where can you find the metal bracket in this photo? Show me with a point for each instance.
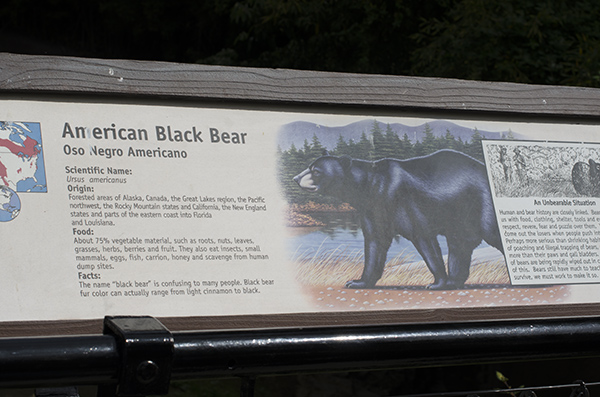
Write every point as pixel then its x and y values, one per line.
pixel 146 349
pixel 581 390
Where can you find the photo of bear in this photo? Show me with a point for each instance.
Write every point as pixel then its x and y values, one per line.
pixel 543 170
pixel 586 178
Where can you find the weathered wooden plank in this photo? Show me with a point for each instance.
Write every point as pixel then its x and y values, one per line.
pixel 33 74
pixel 456 315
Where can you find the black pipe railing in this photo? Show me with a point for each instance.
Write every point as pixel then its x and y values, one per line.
pixel 68 360
pixel 375 347
pixel 98 359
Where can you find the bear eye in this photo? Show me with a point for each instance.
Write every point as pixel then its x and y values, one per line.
pixel 316 173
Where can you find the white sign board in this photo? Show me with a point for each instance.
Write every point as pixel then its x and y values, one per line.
pixel 181 211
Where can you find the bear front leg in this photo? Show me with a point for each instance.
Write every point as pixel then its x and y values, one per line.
pixel 375 256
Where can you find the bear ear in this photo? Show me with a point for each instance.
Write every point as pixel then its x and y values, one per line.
pixel 325 152
pixel 346 162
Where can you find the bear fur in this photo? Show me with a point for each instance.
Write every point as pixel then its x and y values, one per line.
pixel 446 193
pixel 586 178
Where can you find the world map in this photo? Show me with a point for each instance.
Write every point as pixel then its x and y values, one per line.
pixel 21 157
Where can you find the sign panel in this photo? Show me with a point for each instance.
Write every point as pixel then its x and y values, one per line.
pixel 112 209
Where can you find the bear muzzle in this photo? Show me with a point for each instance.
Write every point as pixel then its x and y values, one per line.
pixel 305 181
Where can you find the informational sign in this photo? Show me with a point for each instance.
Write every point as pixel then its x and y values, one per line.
pixel 546 197
pixel 185 211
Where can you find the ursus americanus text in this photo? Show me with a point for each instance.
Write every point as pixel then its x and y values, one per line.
pixel 445 193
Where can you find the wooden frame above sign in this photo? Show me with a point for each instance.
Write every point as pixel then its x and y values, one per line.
pixel 219 198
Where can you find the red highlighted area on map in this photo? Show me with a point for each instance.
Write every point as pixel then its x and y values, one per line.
pixel 21 164
pixel 28 150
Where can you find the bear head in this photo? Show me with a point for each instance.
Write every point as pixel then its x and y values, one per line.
pixel 325 175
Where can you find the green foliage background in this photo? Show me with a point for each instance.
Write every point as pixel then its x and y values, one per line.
pixel 527 41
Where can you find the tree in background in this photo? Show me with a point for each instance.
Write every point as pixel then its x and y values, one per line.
pixel 474 147
pixel 525 41
pixel 429 144
pixel 393 144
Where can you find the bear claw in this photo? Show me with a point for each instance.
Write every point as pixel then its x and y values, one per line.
pixel 356 284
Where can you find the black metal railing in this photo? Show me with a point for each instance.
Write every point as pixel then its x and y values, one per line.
pixel 138 355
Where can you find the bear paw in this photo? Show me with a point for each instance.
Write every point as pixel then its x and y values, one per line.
pixel 445 285
pixel 454 285
pixel 438 285
pixel 357 284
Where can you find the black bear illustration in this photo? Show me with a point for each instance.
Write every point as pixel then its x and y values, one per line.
pixel 445 193
pixel 586 178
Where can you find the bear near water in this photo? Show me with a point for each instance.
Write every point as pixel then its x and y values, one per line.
pixel 445 193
